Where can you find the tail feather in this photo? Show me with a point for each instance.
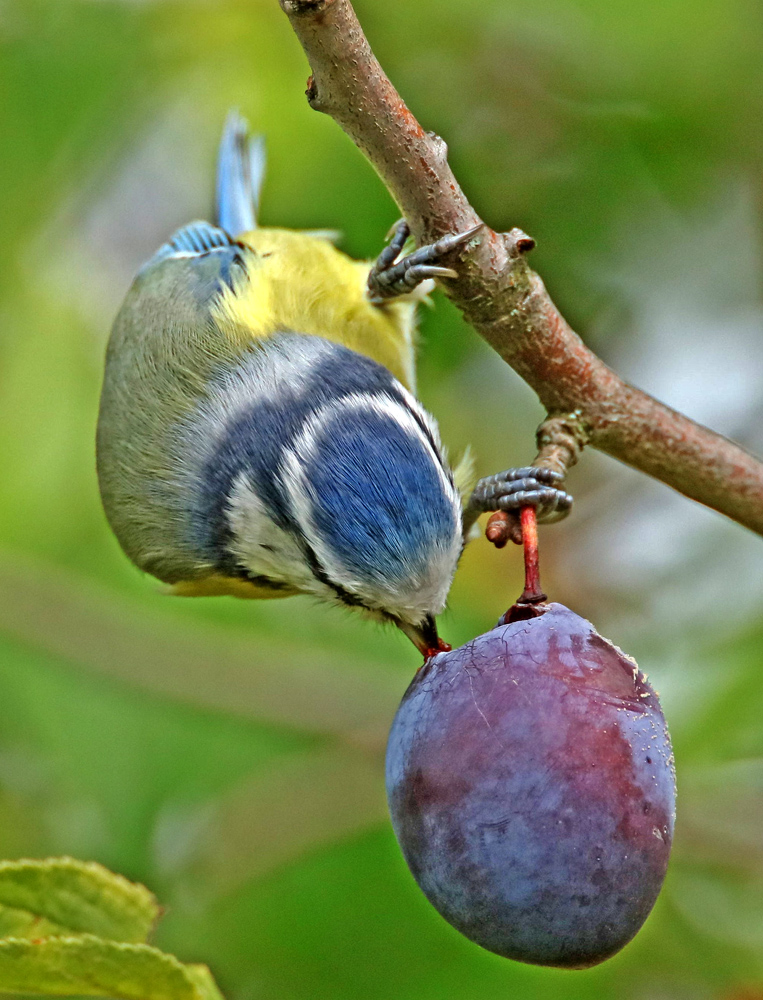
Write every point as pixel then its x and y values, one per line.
pixel 240 171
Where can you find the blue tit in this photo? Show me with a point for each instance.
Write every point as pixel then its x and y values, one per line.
pixel 258 433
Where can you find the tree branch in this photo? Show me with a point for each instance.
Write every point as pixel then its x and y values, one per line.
pixel 498 293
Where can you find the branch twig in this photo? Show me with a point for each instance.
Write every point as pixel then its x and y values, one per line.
pixel 498 293
pixel 560 441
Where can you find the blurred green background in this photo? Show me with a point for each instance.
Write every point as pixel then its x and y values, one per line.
pixel 230 754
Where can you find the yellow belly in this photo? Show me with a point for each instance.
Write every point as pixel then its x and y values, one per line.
pixel 217 585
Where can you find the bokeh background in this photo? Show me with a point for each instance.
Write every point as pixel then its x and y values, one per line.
pixel 230 754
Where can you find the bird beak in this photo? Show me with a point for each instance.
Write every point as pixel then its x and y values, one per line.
pixel 424 636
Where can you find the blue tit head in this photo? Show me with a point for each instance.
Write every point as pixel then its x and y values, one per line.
pixel 327 477
pixel 375 501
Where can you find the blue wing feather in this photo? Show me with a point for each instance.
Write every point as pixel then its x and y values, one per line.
pixel 195 238
pixel 198 237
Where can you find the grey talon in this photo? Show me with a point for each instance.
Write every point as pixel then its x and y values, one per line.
pixel 514 488
pixel 390 276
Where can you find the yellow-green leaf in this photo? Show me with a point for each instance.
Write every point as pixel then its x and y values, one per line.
pixel 89 966
pixel 80 896
pixel 23 924
pixel 205 984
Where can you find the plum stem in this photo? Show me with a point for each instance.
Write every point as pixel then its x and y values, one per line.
pixel 532 594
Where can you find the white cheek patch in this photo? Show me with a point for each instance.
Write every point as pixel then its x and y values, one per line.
pixel 271 372
pixel 259 545
pixel 431 425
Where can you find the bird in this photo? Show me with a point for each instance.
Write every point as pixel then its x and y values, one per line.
pixel 259 435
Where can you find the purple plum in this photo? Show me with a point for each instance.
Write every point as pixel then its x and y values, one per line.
pixel 531 787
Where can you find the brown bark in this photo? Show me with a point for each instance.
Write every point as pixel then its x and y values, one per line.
pixel 498 293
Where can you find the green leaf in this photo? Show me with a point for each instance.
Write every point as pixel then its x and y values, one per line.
pixel 205 984
pixel 23 924
pixel 79 896
pixel 89 966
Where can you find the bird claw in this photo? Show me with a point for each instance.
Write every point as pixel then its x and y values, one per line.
pixel 529 486
pixel 390 276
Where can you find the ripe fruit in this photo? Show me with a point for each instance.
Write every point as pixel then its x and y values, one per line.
pixel 531 787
